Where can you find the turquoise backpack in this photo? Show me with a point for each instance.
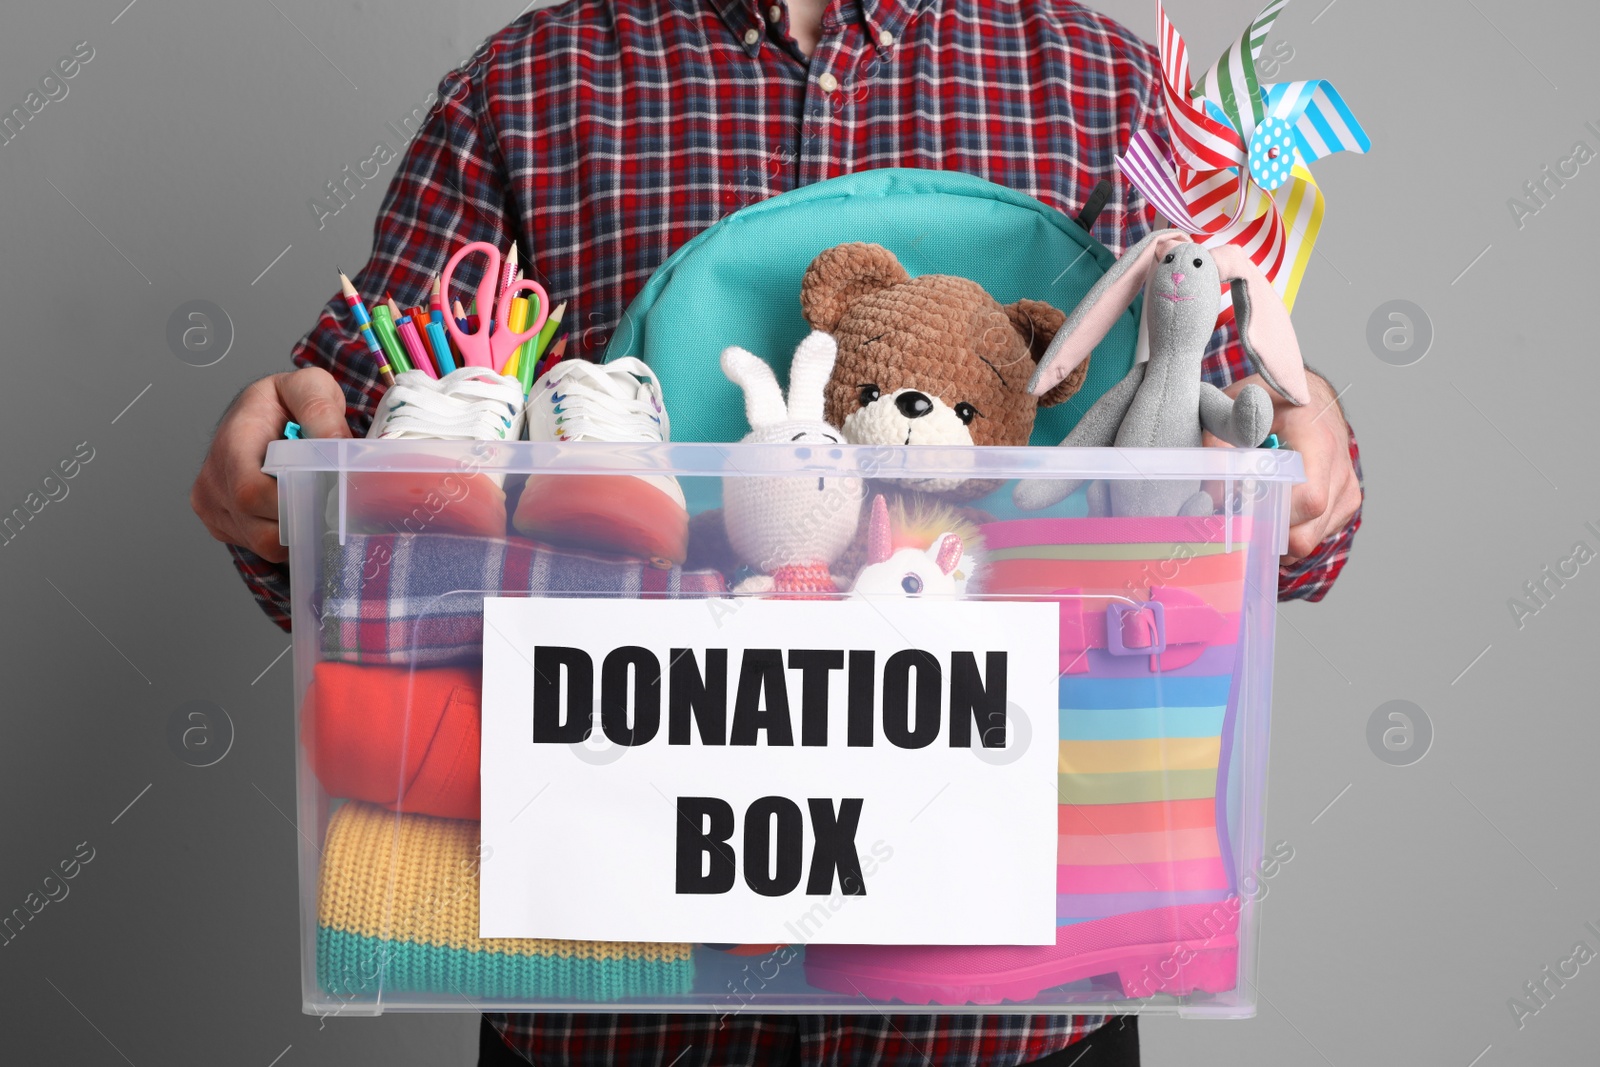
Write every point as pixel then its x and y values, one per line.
pixel 738 281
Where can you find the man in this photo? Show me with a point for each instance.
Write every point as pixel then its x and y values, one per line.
pixel 603 135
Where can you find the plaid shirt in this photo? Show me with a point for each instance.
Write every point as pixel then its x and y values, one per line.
pixel 603 134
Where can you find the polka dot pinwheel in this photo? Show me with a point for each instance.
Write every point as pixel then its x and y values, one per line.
pixel 1238 172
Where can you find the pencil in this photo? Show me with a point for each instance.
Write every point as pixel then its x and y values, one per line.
pixel 551 358
pixel 364 327
pixel 436 305
pixel 509 274
pixel 552 324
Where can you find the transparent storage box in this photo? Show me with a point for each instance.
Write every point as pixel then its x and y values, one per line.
pixel 1161 680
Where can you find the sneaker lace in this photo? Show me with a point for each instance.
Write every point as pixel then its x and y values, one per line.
pixel 611 403
pixel 474 409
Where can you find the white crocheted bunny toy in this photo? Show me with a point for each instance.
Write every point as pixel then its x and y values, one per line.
pixel 789 528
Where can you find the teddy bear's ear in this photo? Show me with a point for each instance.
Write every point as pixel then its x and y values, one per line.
pixel 843 274
pixel 1038 322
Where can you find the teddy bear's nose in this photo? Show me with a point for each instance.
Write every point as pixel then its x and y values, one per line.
pixel 1177 277
pixel 913 405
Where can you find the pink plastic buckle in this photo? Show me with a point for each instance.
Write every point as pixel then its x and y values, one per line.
pixel 1148 631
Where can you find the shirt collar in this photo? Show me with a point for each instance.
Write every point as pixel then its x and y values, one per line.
pixel 889 17
pixel 741 17
pixel 883 17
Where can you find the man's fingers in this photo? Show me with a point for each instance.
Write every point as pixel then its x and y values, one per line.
pixel 314 400
pixel 261 537
pixel 1310 500
pixel 1304 539
pixel 255 494
pixel 1342 492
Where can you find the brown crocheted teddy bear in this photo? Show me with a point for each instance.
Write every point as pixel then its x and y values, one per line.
pixel 928 360
pixel 933 360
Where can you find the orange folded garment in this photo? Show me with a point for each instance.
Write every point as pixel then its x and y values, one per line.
pixel 406 739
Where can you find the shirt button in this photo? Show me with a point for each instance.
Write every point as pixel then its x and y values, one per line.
pixel 774 13
pixel 886 38
pixel 828 83
pixel 752 36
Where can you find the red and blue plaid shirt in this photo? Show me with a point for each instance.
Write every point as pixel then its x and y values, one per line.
pixel 603 134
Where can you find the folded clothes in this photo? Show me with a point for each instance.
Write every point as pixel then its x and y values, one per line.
pixel 418 598
pixel 406 739
pixel 397 912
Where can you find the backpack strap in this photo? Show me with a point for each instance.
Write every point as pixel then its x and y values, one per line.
pixel 1098 198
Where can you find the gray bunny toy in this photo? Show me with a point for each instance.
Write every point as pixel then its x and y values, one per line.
pixel 1164 403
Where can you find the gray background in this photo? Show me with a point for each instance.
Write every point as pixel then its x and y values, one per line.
pixel 181 163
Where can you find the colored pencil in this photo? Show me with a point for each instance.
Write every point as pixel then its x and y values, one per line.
pixel 551 358
pixel 509 273
pixel 552 324
pixel 364 327
pixel 444 353
pixel 436 304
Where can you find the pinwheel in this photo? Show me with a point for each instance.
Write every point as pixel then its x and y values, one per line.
pixel 1239 171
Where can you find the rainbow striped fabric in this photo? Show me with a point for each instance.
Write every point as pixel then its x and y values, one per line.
pixel 1144 738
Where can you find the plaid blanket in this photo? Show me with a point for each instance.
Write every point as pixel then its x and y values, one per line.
pixel 418 598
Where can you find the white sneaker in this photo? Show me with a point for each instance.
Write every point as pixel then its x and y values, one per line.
pixel 581 401
pixel 640 515
pixel 469 404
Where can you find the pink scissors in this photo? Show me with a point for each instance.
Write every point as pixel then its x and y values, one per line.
pixel 483 349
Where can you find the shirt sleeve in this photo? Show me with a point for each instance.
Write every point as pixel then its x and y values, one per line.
pixel 450 188
pixel 1312 577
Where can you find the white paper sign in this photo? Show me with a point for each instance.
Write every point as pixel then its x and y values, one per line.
pixel 770 771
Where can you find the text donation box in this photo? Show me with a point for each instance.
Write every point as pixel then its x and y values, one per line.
pixel 850 772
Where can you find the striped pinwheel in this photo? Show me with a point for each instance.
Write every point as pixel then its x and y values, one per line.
pixel 1239 169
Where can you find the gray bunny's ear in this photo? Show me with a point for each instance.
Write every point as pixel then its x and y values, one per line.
pixel 1265 331
pixel 1099 310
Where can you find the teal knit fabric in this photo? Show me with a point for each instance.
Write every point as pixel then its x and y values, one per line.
pixel 352 965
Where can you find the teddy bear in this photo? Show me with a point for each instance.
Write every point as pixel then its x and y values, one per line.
pixel 933 360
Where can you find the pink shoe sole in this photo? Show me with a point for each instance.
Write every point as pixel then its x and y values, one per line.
pixel 426 502
pixel 1203 956
pixel 627 516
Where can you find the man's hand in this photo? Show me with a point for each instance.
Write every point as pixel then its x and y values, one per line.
pixel 239 504
pixel 1331 493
